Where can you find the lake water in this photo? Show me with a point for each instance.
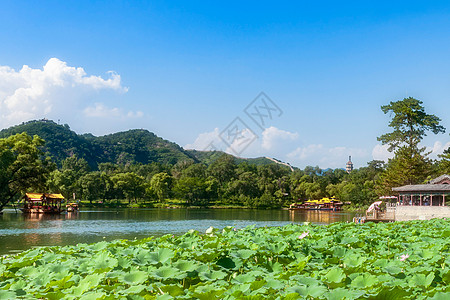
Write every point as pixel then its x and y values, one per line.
pixel 20 232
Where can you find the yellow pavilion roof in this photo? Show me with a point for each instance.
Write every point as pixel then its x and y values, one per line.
pixel 36 196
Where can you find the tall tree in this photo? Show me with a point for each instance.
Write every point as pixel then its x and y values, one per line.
pixel 67 180
pixel 444 163
pixel 161 184
pixel 132 185
pixel 23 166
pixel 410 124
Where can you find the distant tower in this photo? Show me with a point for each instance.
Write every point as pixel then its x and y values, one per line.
pixel 349 166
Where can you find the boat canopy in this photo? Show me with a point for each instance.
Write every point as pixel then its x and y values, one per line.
pixel 41 196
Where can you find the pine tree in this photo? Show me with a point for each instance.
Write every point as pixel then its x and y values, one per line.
pixel 410 164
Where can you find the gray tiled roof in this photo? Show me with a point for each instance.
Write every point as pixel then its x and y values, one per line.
pixel 423 188
pixel 440 178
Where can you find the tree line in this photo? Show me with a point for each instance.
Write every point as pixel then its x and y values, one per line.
pixel 226 180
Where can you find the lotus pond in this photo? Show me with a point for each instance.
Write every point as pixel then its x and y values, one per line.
pixel 404 260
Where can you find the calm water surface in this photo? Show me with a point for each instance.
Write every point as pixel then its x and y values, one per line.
pixel 20 232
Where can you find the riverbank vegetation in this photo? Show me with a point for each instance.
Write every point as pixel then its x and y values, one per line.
pixel 402 260
pixel 147 171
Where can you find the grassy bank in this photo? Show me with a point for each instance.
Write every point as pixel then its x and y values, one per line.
pixel 405 260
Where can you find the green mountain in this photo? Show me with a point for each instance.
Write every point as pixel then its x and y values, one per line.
pixel 128 147
pixel 208 157
pixel 133 146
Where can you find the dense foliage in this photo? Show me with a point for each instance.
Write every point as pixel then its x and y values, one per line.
pixel 146 170
pixel 410 123
pixel 133 146
pixel 22 166
pixel 405 260
pixel 223 182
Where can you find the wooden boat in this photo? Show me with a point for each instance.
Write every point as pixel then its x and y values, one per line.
pixel 37 203
pixel 72 207
pixel 330 204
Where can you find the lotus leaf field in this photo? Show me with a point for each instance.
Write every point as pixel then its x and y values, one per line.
pixel 403 260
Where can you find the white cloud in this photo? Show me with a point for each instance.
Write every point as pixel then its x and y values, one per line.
pixel 248 143
pixel 207 141
pixel 273 137
pixel 280 144
pixel 99 110
pixel 55 91
pixel 437 148
pixel 324 157
pixel 380 152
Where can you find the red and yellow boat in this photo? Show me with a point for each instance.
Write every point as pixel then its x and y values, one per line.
pixel 37 203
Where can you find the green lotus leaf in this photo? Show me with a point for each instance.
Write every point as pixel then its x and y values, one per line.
pixel 210 295
pixel 41 280
pixel 349 240
pixel 364 281
pixel 18 285
pixel 92 296
pixel 134 277
pixel 56 295
pixel 185 266
pixel 202 268
pixel 123 262
pixel 392 294
pixel 437 296
pixel 382 262
pixel 211 245
pixel 161 256
pixel 342 293
pixel 393 270
pixel 168 272
pixel 425 254
pixel 421 280
pixel 274 284
pixel 354 261
pixel 238 290
pixel 98 246
pixel 335 275
pixel 244 278
pixel 276 248
pixel 103 261
pixel 49 257
pixel 87 283
pixel 134 289
pixel 173 290
pixel 212 275
pixel 61 283
pixel 243 254
pixel 314 291
pixel 291 296
pixel 300 279
pixel 7 295
pixel 30 272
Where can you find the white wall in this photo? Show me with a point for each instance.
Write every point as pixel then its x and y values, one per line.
pixel 405 213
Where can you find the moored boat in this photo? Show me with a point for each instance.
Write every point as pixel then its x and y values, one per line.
pixel 42 203
pixel 331 204
pixel 72 207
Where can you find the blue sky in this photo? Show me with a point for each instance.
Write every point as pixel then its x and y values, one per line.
pixel 186 69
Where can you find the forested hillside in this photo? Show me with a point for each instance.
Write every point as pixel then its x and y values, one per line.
pixel 137 146
pixel 139 166
pixel 129 147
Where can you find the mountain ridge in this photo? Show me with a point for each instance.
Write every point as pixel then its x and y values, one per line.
pixel 125 147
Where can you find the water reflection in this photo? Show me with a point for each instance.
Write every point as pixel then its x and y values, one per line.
pixel 318 216
pixel 20 232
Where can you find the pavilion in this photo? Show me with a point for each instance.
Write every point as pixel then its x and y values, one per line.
pixel 431 194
